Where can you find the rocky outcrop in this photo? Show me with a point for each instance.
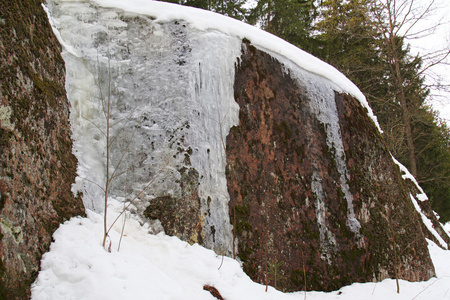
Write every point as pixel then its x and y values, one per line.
pixel 180 216
pixel 434 231
pixel 302 189
pixel 304 214
pixel 37 166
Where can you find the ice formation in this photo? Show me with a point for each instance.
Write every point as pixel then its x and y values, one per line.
pixel 321 93
pixel 171 92
pixel 169 74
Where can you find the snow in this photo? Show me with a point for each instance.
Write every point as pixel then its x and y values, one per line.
pixel 173 84
pixel 151 265
pixel 173 88
pixel 428 223
pixel 209 21
pixel 421 196
pixel 162 267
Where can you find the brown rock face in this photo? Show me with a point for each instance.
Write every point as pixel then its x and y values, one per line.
pixel 293 221
pixel 181 216
pixel 37 167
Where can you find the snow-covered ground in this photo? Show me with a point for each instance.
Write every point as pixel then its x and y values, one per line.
pixel 161 267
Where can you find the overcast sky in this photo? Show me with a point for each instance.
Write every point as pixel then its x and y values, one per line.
pixel 437 38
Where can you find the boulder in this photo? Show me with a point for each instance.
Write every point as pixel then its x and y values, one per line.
pixel 307 212
pixel 37 167
pixel 238 141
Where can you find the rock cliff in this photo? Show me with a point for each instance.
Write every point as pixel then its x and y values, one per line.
pixel 241 149
pixel 37 167
pixel 318 218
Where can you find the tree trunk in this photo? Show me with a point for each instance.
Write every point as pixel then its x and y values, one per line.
pixel 393 52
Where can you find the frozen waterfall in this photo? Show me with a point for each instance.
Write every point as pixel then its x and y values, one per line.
pixel 171 90
pixel 169 73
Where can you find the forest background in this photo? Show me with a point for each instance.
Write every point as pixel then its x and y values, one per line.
pixel 369 41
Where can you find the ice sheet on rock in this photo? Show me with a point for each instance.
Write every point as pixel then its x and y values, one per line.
pixel 322 99
pixel 428 223
pixel 207 21
pixel 327 237
pixel 171 90
pixel 421 196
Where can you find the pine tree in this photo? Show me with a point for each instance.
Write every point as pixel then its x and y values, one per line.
pixel 432 140
pixel 231 8
pixel 290 20
pixel 347 38
pixel 361 38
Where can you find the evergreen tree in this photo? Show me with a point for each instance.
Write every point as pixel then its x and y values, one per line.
pixel 348 39
pixel 361 39
pixel 432 140
pixel 231 8
pixel 290 20
pixel 204 4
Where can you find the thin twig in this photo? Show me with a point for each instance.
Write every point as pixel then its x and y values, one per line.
pixel 121 233
pixel 132 200
pixel 429 286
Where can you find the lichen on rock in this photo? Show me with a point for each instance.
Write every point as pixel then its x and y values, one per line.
pixel 37 167
pixel 313 187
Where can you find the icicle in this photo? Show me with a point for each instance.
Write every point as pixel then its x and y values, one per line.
pixel 172 92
